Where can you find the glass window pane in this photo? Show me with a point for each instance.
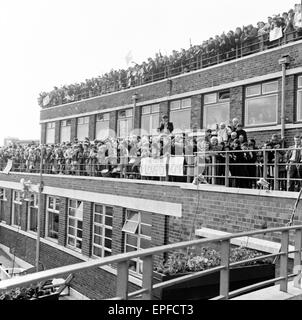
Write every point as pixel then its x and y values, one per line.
pixel 97 240
pixel 79 233
pixel 146 230
pixel 65 134
pixel 210 98
pixel 261 111
pixel 71 222
pixel 145 243
pixel 130 226
pixel 79 244
pixel 300 82
pixel 71 241
pixel 224 95
pixel 57 204
pixel 108 233
pixel 215 114
pixel 131 240
pixel 174 105
pixel 186 103
pixel 270 87
pixel 132 215
pixel 145 124
pixel 50 202
pixel 98 230
pixel 181 120
pixel 108 221
pixel 98 208
pixel 109 211
pixel 146 110
pixel 108 243
pixel 129 113
pixel 102 130
pixel 130 249
pixel 154 123
pixel 80 224
pixel 71 231
pixel 98 218
pixel 82 131
pixel 299 106
pixel 146 218
pixel 107 253
pixel 253 90
pixel 155 108
pixel 97 251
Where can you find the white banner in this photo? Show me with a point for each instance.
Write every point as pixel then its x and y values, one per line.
pixel 275 34
pixel 8 166
pixel 46 100
pixel 153 167
pixel 176 166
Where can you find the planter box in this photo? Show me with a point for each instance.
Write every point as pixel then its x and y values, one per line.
pixel 207 287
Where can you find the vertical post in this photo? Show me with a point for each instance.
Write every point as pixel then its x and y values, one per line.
pixel 284 261
pixel 225 273
pixel 147 277
pixel 122 280
pixel 283 102
pixel 214 169
pixel 39 213
pixel 264 164
pixel 227 169
pixel 276 171
pixel 134 98
pixel 297 259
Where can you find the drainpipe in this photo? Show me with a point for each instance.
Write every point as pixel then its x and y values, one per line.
pixel 134 99
pixel 284 61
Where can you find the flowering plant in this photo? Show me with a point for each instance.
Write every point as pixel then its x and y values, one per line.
pixel 207 258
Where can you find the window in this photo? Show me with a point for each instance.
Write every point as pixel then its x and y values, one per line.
pixel 50 132
pixel 299 99
pixel 216 109
pixel 261 104
pixel 75 224
pixel 3 199
pixel 32 217
pixel 17 207
pixel 102 230
pixel 52 217
pixel 124 123
pixel 65 130
pixel 137 230
pixel 82 128
pixel 180 115
pixel 102 126
pixel 150 119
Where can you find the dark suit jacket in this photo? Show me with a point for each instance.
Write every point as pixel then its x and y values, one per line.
pixel 290 153
pixel 169 127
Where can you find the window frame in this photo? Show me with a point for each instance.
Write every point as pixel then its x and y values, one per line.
pixel 211 105
pixel 3 199
pixel 50 128
pixel 74 236
pixel 29 207
pixel 299 101
pixel 139 237
pixel 54 211
pixel 14 203
pixel 126 117
pixel 103 227
pixel 150 116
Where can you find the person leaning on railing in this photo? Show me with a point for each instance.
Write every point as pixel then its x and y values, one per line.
pixel 293 161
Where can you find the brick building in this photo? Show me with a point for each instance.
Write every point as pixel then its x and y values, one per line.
pixel 87 217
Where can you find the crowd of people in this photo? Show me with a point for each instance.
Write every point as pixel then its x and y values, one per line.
pixel 122 157
pixel 227 46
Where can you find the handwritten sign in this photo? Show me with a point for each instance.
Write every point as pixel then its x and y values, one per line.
pixel 8 166
pixel 151 167
pixel 275 34
pixel 176 166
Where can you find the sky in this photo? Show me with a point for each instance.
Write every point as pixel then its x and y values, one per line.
pixel 47 43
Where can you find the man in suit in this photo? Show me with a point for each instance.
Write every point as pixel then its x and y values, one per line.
pixel 293 159
pixel 166 126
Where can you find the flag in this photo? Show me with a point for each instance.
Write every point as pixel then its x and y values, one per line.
pixel 129 57
pixel 46 100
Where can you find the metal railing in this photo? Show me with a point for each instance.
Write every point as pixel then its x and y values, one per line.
pixel 146 256
pixel 234 168
pixel 180 66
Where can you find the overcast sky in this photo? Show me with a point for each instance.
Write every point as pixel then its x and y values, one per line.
pixel 46 43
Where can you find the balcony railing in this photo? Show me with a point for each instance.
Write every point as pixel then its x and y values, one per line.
pixel 146 255
pixel 234 168
pixel 180 66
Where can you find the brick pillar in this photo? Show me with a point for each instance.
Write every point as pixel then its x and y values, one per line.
pixel 87 228
pixel 289 99
pixel 8 206
pixel 113 123
pixel 43 216
pixel 236 103
pixel 196 112
pixel 91 131
pixel 73 129
pixel 117 234
pixel 43 133
pixel 57 131
pixel 63 221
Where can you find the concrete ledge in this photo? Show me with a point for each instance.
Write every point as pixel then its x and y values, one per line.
pixel 273 293
pixel 248 242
